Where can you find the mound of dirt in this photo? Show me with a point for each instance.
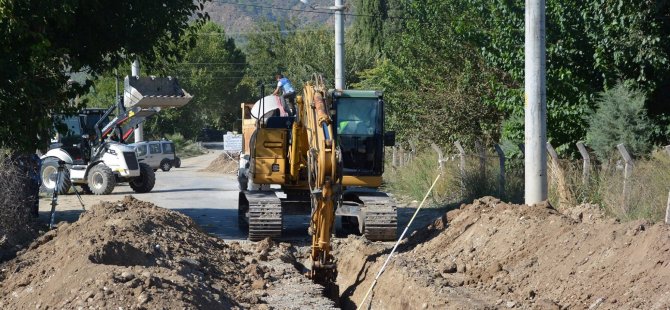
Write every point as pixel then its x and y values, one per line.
pixel 225 163
pixel 131 254
pixel 496 255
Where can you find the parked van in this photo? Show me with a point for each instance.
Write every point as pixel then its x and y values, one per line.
pixel 157 154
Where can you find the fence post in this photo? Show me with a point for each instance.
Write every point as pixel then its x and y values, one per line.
pixel 394 161
pixel 440 158
pixel 482 159
pixel 586 168
pixel 627 172
pixel 461 165
pixel 667 211
pixel 412 146
pixel 564 193
pixel 501 178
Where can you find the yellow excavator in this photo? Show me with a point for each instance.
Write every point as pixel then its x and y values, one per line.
pixel 323 157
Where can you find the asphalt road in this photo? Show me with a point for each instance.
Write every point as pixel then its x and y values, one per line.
pixel 209 198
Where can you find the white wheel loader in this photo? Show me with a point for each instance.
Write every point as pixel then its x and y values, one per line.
pixel 93 152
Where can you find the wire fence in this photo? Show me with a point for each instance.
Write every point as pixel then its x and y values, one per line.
pixel 627 187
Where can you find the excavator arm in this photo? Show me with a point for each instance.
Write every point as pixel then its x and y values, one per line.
pixel 324 176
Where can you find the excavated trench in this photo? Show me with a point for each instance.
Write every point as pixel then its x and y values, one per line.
pixel 497 255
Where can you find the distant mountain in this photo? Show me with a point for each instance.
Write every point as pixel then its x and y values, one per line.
pixel 239 16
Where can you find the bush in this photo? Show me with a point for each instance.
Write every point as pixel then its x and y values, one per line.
pixel 185 148
pixel 15 195
pixel 620 118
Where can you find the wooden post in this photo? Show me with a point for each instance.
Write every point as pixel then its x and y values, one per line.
pixel 501 178
pixel 586 167
pixel 627 172
pixel 401 156
pixel 667 211
pixel 440 158
pixel 482 159
pixel 461 165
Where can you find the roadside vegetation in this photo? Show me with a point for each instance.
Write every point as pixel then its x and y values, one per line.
pixel 451 70
pixel 186 148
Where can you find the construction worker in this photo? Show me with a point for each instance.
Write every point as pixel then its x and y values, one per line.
pixel 288 93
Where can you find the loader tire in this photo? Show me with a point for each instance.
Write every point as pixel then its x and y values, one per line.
pixel 49 174
pixel 146 181
pixel 101 180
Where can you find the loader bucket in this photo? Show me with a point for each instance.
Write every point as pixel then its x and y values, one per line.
pixel 150 92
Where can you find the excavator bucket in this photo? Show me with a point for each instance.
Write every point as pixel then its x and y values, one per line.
pixel 150 92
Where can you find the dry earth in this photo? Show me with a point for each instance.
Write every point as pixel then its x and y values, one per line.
pixel 496 255
pixel 132 254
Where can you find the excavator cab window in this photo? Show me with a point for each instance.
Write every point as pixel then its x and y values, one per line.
pixel 359 130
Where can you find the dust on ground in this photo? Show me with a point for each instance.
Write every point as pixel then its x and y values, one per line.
pixel 225 163
pixel 132 254
pixel 497 255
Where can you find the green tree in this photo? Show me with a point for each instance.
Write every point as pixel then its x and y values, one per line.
pixel 211 71
pixel 590 45
pixel 435 81
pixel 619 118
pixel 42 43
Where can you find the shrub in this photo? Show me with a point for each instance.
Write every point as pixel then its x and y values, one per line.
pixel 15 197
pixel 620 118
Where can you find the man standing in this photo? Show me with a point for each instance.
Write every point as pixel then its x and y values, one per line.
pixel 288 94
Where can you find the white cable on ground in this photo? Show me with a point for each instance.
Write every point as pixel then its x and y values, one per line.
pixel 398 242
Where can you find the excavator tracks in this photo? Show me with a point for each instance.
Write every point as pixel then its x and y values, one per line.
pixel 263 213
pixel 380 217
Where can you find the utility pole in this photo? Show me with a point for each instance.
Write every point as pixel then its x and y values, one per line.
pixel 338 10
pixel 139 131
pixel 535 104
pixel 339 44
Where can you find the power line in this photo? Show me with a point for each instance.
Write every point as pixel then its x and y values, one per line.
pixel 310 11
pixel 253 32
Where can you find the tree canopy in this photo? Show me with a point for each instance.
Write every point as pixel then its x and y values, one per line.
pixel 44 43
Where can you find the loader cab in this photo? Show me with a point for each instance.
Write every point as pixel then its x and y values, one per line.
pixel 75 133
pixel 359 116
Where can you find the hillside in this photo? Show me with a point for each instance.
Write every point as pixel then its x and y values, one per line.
pixel 239 16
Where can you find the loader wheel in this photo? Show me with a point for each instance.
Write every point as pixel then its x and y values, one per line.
pixel 166 165
pixel 49 174
pixel 101 180
pixel 146 181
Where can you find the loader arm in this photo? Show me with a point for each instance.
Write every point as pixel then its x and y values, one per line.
pixel 324 175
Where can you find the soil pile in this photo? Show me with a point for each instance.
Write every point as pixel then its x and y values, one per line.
pixel 133 255
pixel 225 163
pixel 496 255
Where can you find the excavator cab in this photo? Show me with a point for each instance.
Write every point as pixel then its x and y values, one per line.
pixel 359 115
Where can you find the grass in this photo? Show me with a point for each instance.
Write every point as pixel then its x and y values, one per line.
pixel 648 185
pixel 412 180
